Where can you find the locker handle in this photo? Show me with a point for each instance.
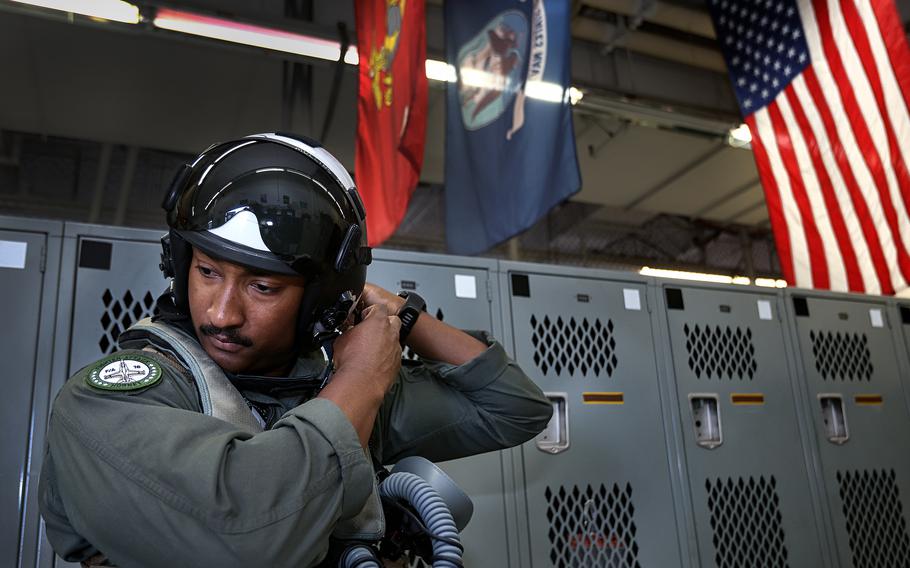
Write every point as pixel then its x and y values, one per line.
pixel 834 418
pixel 706 420
pixel 555 437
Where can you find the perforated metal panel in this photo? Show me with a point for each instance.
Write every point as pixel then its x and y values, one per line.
pixel 578 517
pixel 747 524
pixel 108 300
pixel 876 523
pixel 606 500
pixel 747 476
pixel 720 352
pixel 847 352
pixel 572 345
pixel 433 277
pixel 841 356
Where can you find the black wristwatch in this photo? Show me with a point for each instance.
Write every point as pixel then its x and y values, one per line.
pixel 409 312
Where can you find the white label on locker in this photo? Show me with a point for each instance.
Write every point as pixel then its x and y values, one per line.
pixel 875 316
pixel 632 298
pixel 465 286
pixel 764 310
pixel 12 254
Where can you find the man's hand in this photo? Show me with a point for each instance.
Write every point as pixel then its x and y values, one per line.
pixel 374 295
pixel 370 351
pixel 367 359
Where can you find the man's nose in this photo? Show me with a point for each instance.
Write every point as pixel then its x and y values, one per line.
pixel 226 309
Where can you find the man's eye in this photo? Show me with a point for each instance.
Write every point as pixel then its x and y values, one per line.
pixel 263 288
pixel 205 271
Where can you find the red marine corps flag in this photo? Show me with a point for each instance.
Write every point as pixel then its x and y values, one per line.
pixel 391 109
pixel 824 86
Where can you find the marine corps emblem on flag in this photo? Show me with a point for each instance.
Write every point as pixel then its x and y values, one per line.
pixel 381 59
pixel 491 66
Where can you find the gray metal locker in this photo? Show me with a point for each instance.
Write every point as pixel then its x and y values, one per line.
pixel 748 477
pixel 899 318
pixel 29 264
pixel 109 279
pixel 855 403
pixel 598 480
pixel 458 290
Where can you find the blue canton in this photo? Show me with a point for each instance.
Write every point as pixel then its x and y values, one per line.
pixel 764 45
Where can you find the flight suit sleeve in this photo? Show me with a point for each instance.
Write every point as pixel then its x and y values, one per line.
pixel 149 480
pixel 441 411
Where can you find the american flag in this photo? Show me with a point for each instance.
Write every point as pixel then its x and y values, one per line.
pixel 824 86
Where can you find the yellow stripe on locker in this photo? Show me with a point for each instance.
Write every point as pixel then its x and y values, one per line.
pixel 743 398
pixel 869 399
pixel 603 398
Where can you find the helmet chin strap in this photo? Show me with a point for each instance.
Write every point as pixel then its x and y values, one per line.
pixel 328 329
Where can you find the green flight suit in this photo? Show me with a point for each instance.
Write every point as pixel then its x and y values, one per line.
pixel 146 479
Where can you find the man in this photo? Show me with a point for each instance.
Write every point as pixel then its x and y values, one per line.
pixel 207 440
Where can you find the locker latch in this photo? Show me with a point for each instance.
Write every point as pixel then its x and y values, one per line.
pixel 835 418
pixel 555 437
pixel 706 420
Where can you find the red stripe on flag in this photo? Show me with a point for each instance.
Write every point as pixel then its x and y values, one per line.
pixel 775 207
pixel 864 49
pixel 851 266
pixel 818 261
pixel 892 31
pixel 860 130
pixel 870 231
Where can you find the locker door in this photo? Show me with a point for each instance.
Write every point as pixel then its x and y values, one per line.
pixel 597 484
pixel 861 424
pixel 747 472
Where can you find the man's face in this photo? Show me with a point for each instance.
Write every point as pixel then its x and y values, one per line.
pixel 245 319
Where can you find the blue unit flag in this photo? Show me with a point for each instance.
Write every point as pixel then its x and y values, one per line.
pixel 510 145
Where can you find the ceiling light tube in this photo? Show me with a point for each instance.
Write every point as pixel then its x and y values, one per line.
pixel 248 34
pixel 114 10
pixel 699 276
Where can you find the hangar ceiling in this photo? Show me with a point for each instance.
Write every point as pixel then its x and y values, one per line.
pixel 650 129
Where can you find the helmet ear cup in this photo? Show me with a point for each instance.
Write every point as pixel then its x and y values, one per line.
pixel 179 255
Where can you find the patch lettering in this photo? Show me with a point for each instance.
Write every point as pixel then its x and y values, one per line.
pixel 124 373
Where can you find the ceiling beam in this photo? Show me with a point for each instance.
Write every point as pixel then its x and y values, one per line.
pixel 677 175
pixel 727 197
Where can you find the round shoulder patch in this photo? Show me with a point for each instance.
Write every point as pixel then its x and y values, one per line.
pixel 124 372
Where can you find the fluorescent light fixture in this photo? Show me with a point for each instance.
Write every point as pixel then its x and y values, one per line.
pixel 248 34
pixel 114 10
pixel 575 95
pixel 740 137
pixel 771 282
pixel 319 48
pixel 440 71
pixel 699 276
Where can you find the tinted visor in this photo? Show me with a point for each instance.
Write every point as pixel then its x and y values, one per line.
pixel 300 219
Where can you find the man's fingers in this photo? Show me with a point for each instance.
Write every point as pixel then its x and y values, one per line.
pixel 375 310
pixel 395 322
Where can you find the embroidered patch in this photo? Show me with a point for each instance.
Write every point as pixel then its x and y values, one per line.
pixel 124 373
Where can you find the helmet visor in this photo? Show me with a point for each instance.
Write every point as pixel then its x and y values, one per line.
pixel 297 217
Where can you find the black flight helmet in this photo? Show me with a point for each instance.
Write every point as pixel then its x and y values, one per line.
pixel 278 203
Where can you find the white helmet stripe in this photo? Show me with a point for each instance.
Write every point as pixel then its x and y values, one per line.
pixel 316 152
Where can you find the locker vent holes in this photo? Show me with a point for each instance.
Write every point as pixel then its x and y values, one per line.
pixel 721 352
pixel 574 346
pixel 875 518
pixel 408 353
pixel 592 527
pixel 119 314
pixel 745 516
pixel 842 356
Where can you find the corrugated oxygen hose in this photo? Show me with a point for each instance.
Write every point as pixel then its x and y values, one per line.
pixel 432 510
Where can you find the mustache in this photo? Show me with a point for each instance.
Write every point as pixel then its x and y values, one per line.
pixel 227 334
